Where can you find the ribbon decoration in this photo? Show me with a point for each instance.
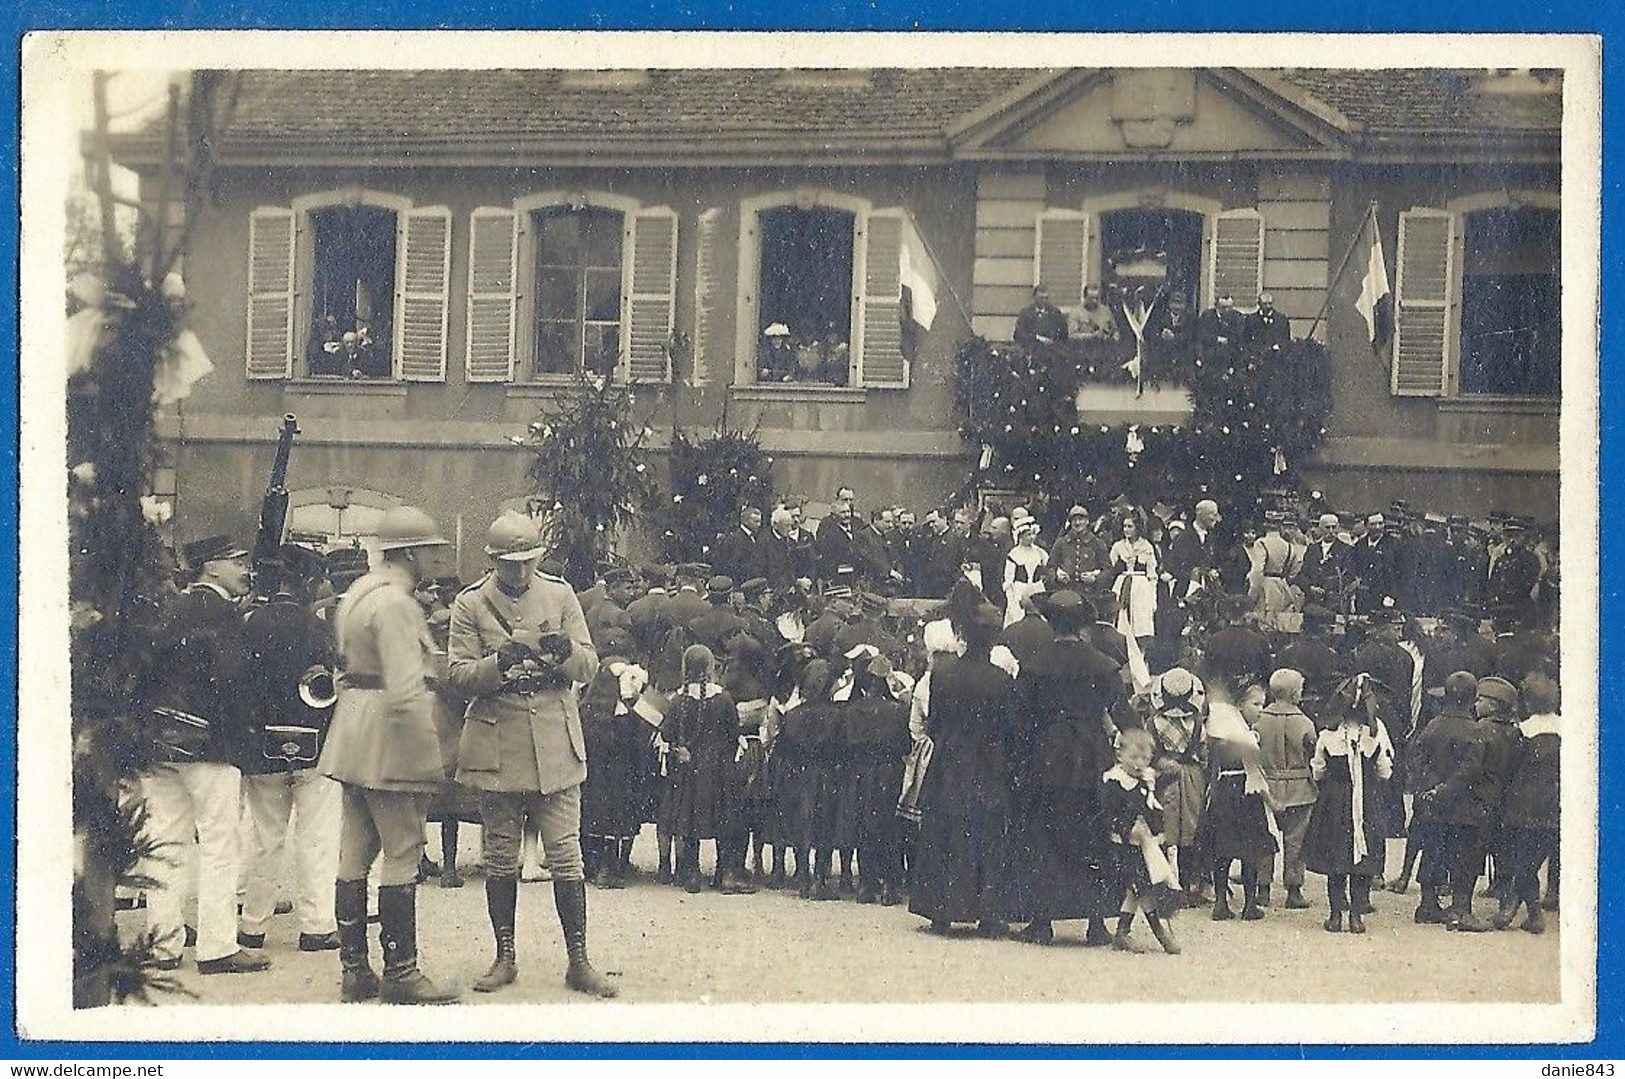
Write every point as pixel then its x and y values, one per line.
pixel 1133 445
pixel 1137 317
pixel 1280 460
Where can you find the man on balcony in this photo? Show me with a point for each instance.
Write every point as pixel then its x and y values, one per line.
pixel 1040 322
pixel 1094 320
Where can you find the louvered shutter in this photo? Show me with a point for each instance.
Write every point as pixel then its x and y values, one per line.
pixel 707 294
pixel 1236 261
pixel 651 297
pixel 1061 262
pixel 270 293
pixel 1422 299
pixel 425 275
pixel 880 360
pixel 492 251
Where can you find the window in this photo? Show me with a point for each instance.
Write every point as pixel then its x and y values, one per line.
pixel 1151 246
pixel 567 282
pixel 804 318
pixel 1511 310
pixel 348 284
pixel 352 292
pixel 1478 294
pixel 578 291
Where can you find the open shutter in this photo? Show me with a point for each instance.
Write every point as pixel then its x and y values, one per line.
pixel 1422 303
pixel 651 299
pixel 707 294
pixel 1236 259
pixel 425 276
pixel 492 251
pixel 1061 263
pixel 880 360
pixel 270 293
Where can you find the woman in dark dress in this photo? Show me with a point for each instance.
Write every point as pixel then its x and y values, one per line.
pixel 874 726
pixel 746 679
pixel 1064 695
pixel 1345 839
pixel 962 872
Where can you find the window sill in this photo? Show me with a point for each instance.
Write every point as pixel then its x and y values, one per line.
pixel 1518 406
pixel 345 387
pixel 793 391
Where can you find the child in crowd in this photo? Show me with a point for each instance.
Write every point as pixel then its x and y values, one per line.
pixel 1137 870
pixel 1346 839
pixel 1529 809
pixel 701 728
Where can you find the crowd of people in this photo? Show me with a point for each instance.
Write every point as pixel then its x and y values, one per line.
pixel 993 726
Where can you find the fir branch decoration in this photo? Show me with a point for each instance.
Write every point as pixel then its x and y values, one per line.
pixel 712 479
pixel 590 465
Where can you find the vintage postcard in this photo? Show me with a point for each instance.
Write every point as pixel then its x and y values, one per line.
pixel 682 537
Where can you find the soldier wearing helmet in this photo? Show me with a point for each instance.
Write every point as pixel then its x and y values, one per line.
pixel 519 642
pixel 383 749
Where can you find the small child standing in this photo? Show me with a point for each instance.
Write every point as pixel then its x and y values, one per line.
pixel 1137 869
pixel 701 728
pixel 1346 837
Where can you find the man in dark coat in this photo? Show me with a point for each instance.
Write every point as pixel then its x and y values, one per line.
pixel 741 553
pixel 1311 654
pixel 1220 326
pixel 646 616
pixel 1325 565
pixel 202 729
pixel 1371 566
pixel 1266 329
pixel 787 562
pixel 1065 695
pixel 1237 654
pixel 1470 799
pixel 283 640
pixel 718 625
pixel 1029 634
pixel 847 548
pixel 1514 571
pixel 1040 322
pixel 1194 554
pixel 1439 829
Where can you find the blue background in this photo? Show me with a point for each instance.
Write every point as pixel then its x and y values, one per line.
pixel 1605 17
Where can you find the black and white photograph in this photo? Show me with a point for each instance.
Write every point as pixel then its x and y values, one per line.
pixel 679 537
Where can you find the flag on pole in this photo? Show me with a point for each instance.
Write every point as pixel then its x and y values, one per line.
pixel 1376 302
pixel 917 273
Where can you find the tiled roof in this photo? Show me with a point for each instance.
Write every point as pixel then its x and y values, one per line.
pixel 524 105
pixel 1417 101
pixel 687 111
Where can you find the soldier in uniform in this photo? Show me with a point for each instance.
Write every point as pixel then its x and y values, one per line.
pixel 383 748
pixel 197 791
pixel 284 641
pixel 518 641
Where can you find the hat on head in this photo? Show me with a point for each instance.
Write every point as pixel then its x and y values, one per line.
pixel 513 537
pixel 778 329
pixel 720 585
pixel 301 561
pixel 1077 511
pixel 754 587
pixel 1026 526
pixel 1178 692
pixel 403 527
pixel 621 575
pixel 1499 690
pixel 692 571
pixel 212 549
pixel 1067 612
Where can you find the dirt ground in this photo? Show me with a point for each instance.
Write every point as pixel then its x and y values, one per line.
pixel 671 947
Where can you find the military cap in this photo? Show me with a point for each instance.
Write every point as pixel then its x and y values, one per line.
pixel 692 571
pixel 212 549
pixel 720 585
pixel 302 561
pixel 1499 690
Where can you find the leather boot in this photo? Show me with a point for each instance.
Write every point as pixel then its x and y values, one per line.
pixel 570 897
pixel 398 929
pixel 1430 912
pixel 501 902
pixel 1508 911
pixel 1221 905
pixel 1123 941
pixel 1534 921
pixel 1295 899
pixel 1164 934
pixel 359 981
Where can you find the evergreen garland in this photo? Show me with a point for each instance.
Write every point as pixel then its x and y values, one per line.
pixel 1021 404
pixel 712 478
pixel 590 471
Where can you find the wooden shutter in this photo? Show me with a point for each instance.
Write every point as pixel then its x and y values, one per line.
pixel 651 298
pixel 1422 303
pixel 879 353
pixel 1061 262
pixel 707 294
pixel 270 293
pixel 1236 260
pixel 493 244
pixel 420 311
